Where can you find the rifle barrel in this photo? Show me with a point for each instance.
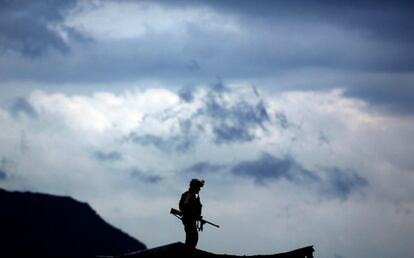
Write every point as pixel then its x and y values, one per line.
pixel 208 222
pixel 179 215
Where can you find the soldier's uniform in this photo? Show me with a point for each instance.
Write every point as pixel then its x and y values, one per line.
pixel 190 206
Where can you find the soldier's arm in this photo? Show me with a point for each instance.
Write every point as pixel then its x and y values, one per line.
pixel 188 200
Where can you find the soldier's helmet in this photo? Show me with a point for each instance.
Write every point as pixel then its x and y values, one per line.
pixel 196 183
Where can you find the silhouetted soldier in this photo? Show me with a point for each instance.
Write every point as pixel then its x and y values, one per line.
pixel 190 206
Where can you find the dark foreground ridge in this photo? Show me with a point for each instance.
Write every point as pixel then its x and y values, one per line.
pixel 42 225
pixel 178 250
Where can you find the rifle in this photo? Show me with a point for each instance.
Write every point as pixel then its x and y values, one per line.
pixel 179 215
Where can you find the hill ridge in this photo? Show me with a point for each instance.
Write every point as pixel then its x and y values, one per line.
pixel 41 224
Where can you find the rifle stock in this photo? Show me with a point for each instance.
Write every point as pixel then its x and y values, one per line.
pixel 179 215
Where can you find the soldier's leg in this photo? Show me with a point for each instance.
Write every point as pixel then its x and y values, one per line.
pixel 191 234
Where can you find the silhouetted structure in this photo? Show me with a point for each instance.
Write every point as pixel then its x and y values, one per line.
pixel 42 225
pixel 180 250
pixel 190 206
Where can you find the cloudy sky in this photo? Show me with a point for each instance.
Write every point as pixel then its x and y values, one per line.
pixel 299 116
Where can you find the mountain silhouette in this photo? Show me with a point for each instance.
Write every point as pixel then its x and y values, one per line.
pixel 34 224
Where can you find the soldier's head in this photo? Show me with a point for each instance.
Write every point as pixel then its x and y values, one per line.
pixel 195 185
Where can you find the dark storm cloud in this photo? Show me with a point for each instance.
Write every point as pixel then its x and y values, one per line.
pixel 378 37
pixel 186 94
pixel 282 120
pixel 226 133
pixel 341 183
pixel 151 179
pixel 232 122
pixel 381 22
pixel 395 98
pixel 3 175
pixel 109 156
pixel 25 26
pixel 356 43
pixel 335 182
pixel 21 105
pixel 204 167
pixel 269 50
pixel 193 65
pixel 6 165
pixel 269 168
pixel 384 19
pixel 179 143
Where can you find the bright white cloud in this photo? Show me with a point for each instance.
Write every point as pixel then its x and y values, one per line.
pixel 103 111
